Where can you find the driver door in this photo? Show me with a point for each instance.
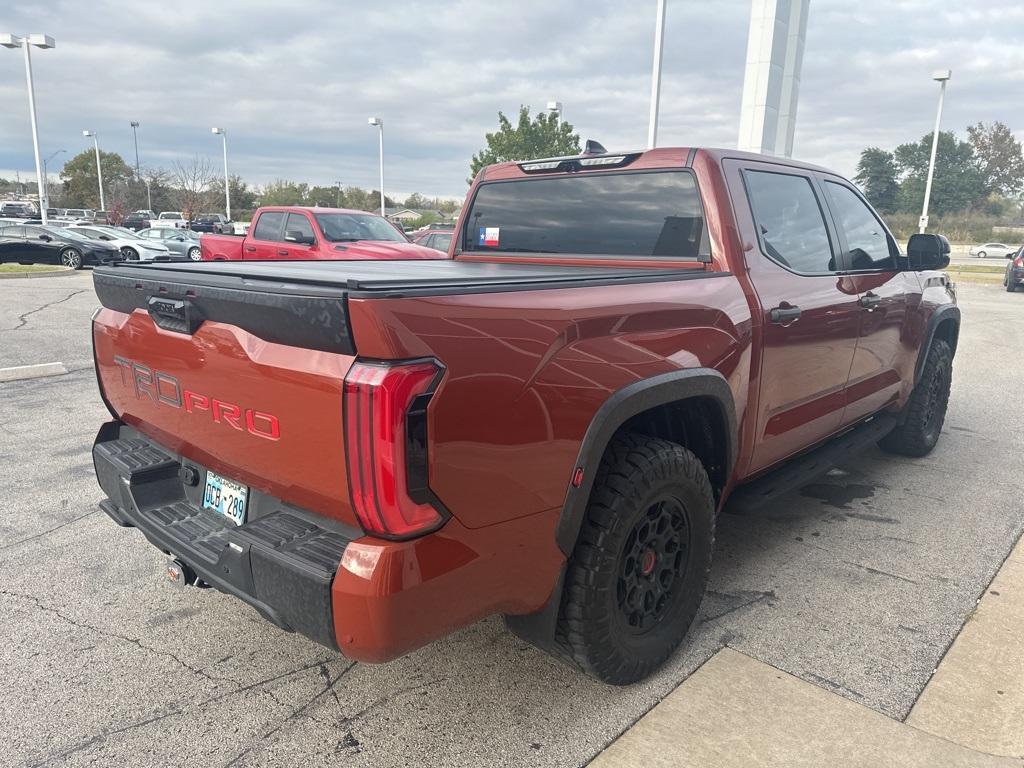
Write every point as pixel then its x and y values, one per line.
pixel 38 249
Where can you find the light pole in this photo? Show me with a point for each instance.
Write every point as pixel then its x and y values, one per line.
pixel 26 43
pixel 135 135
pixel 379 122
pixel 46 179
pixel 337 201
pixel 555 107
pixel 659 39
pixel 99 169
pixel 942 76
pixel 223 132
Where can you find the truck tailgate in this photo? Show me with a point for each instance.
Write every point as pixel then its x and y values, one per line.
pixel 245 380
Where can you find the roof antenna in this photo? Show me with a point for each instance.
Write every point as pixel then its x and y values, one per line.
pixel 594 148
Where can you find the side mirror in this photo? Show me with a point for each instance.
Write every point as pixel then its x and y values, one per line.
pixel 294 236
pixel 928 252
pixel 45 238
pixel 104 237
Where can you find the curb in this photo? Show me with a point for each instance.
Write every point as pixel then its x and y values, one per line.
pixel 27 275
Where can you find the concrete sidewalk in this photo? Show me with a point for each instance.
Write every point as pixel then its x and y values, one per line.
pixel 738 711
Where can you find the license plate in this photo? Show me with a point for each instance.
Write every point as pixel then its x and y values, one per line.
pixel 225 496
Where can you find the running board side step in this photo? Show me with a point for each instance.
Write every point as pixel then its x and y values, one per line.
pixel 808 467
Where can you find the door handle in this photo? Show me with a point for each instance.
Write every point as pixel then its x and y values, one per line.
pixel 784 314
pixel 250 249
pixel 282 252
pixel 869 300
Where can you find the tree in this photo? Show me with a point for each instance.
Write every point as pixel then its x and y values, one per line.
pixel 79 177
pixel 416 200
pixel 876 175
pixel 243 197
pixel 193 181
pixel 544 136
pixel 1000 156
pixel 958 183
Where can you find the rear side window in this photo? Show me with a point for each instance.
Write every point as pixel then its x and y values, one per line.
pixel 300 224
pixel 268 227
pixel 868 244
pixel 789 221
pixel 12 232
pixel 621 214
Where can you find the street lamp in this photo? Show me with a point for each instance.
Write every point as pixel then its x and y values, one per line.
pixel 26 43
pixel 556 108
pixel 46 178
pixel 337 201
pixel 135 135
pixel 99 169
pixel 659 39
pixel 379 122
pixel 942 76
pixel 223 132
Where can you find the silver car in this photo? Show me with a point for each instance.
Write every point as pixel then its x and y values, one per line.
pixel 181 242
pixel 998 250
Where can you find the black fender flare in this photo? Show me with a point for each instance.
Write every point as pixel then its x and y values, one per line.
pixel 618 409
pixel 539 628
pixel 940 315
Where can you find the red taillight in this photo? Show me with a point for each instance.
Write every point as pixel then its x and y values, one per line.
pixel 385 432
pixel 1018 263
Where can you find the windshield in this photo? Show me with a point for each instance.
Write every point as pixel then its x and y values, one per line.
pixel 121 234
pixel 349 227
pixel 609 214
pixel 68 234
pixel 91 234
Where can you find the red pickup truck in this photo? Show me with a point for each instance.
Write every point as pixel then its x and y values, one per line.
pixel 544 426
pixel 314 233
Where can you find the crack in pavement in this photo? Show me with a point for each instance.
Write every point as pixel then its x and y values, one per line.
pixel 757 597
pixel 47 532
pixel 105 633
pixel 328 686
pixel 182 707
pixel 23 319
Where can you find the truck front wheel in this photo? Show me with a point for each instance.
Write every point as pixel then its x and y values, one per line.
pixel 926 410
pixel 638 573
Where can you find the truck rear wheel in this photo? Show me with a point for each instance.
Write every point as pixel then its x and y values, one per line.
pixel 926 410
pixel 638 573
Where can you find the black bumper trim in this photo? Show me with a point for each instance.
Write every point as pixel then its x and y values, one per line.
pixel 282 562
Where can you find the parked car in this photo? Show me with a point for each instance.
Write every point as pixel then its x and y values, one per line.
pixel 131 246
pixel 138 220
pixel 36 244
pixel 17 211
pixel 998 250
pixel 1014 276
pixel 315 233
pixel 213 222
pixel 172 219
pixel 80 215
pixel 545 426
pixel 101 217
pixel 438 240
pixel 183 243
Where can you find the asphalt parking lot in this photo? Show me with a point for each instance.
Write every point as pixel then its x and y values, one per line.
pixel 857 584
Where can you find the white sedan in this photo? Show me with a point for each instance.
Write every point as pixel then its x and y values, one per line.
pixel 132 247
pixel 999 250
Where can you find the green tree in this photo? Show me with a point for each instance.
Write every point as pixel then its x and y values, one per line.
pixel 876 176
pixel 1000 156
pixel 283 192
pixel 243 197
pixel 79 177
pixel 543 136
pixel 958 183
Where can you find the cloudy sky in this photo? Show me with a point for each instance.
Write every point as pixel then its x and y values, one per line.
pixel 295 81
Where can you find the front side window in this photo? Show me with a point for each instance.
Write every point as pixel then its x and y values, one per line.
pixel 299 224
pixel 639 214
pixel 268 227
pixel 868 244
pixel 790 222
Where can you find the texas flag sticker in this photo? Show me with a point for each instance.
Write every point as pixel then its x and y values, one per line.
pixel 488 236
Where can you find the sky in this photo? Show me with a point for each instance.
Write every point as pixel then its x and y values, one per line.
pixel 294 82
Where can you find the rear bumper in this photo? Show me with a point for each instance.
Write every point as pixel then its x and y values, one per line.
pixel 372 599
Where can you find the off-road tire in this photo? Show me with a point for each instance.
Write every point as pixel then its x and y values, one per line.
pixel 641 480
pixel 925 413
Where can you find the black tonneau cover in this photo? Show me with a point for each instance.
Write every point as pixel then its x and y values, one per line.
pixel 394 278
pixel 302 303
